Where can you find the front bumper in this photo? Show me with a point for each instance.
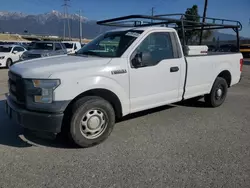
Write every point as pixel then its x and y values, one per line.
pixel 37 121
pixel 3 62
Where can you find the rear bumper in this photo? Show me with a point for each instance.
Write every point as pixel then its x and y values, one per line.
pixel 37 121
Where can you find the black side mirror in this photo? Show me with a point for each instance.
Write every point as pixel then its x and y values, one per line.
pixel 141 60
pixel 137 60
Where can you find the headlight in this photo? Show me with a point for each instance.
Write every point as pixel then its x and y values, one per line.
pixel 47 87
pixel 2 57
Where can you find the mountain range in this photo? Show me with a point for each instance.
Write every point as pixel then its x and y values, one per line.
pixel 52 23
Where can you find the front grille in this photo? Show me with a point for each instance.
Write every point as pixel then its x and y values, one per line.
pixel 16 87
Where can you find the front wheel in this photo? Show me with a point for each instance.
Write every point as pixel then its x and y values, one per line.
pixel 218 93
pixel 8 63
pixel 92 121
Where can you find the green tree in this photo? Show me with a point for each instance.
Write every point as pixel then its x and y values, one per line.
pixel 192 14
pixel 207 34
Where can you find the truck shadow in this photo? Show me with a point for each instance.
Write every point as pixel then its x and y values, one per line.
pixel 197 102
pixel 145 112
pixel 10 132
pixel 14 135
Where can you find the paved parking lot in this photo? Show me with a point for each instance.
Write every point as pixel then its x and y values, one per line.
pixel 180 145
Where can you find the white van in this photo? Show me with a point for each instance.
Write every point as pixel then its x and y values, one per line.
pixel 72 46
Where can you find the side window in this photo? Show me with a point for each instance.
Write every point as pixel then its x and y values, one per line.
pixel 19 49
pixel 63 46
pixel 155 48
pixel 14 49
pixel 57 46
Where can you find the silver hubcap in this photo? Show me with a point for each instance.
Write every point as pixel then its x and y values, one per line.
pixel 219 92
pixel 93 124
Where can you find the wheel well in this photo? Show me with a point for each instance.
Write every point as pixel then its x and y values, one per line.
pixel 9 59
pixel 105 94
pixel 227 76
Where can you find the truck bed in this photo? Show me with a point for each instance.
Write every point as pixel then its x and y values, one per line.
pixel 203 69
pixel 215 53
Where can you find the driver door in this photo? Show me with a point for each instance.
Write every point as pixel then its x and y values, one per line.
pixel 17 53
pixel 156 82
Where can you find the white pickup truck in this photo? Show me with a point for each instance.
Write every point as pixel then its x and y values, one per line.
pixel 140 68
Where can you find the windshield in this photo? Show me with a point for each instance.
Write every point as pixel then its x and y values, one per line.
pixel 111 44
pixel 5 49
pixel 68 45
pixel 42 46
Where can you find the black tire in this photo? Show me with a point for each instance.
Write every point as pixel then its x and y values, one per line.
pixel 213 99
pixel 81 110
pixel 8 63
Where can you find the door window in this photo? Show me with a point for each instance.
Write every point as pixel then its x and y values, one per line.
pixel 14 49
pixel 155 47
pixel 19 49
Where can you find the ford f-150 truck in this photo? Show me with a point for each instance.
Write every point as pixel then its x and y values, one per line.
pixel 85 93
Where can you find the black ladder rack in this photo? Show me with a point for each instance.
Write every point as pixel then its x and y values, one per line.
pixel 178 20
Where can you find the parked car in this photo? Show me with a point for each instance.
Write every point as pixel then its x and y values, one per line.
pixel 10 54
pixel 40 49
pixel 212 48
pixel 72 46
pixel 84 94
pixel 228 48
pixel 245 50
pixel 24 44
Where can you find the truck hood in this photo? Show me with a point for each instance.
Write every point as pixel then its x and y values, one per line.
pixel 45 67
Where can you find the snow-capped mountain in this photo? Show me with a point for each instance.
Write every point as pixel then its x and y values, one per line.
pixel 44 17
pixel 11 15
pixel 51 23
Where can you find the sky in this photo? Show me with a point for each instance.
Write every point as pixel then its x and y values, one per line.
pixel 103 9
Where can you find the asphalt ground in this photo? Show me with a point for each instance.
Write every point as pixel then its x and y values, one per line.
pixel 180 145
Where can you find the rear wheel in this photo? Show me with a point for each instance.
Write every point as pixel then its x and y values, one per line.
pixel 8 63
pixel 218 93
pixel 92 121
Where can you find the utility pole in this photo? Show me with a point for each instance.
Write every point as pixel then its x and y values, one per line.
pixel 66 15
pixel 203 20
pixel 152 13
pixel 80 25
